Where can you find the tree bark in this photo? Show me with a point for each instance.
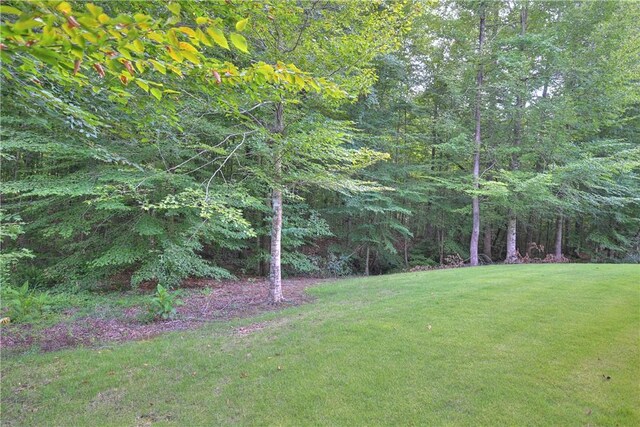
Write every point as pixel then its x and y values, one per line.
pixel 559 227
pixel 261 264
pixel 512 251
pixel 475 202
pixel 366 265
pixel 406 252
pixel 528 241
pixel 486 247
pixel 275 270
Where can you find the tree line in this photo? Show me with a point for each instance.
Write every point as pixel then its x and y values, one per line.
pixel 155 141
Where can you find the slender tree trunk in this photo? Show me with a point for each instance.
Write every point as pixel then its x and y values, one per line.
pixel 496 238
pixel 406 252
pixel 559 227
pixel 512 227
pixel 565 234
pixel 434 136
pixel 512 251
pixel 475 202
pixel 486 247
pixel 529 236
pixel 261 269
pixel 546 240
pixel 366 266
pixel 275 271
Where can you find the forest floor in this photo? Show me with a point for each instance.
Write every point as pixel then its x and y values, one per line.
pixel 202 301
pixel 553 344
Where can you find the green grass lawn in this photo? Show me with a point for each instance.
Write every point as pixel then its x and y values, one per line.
pixel 502 345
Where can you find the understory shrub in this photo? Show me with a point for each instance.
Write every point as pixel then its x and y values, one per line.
pixel 24 304
pixel 163 304
pixel 333 265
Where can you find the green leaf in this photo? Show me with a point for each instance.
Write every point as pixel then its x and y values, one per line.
pixel 239 42
pixel 201 20
pixel 26 24
pixel 103 18
pixel 9 10
pixel 143 84
pixel 190 56
pixel 203 38
pixel 94 10
pixel 137 46
pixel 175 55
pixel 158 66
pixel 64 7
pixel 241 24
pixel 218 36
pixel 188 31
pixel 156 37
pixel 157 93
pixel 45 55
pixel 188 47
pixel 174 8
pixel 125 53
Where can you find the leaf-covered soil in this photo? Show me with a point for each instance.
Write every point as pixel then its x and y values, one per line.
pixel 203 301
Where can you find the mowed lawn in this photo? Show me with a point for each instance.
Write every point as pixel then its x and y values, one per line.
pixel 500 345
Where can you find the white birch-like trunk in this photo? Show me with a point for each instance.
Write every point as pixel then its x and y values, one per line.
pixel 512 251
pixel 275 270
pixel 275 266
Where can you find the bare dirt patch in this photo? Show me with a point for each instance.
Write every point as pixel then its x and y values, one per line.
pixel 204 301
pixel 243 331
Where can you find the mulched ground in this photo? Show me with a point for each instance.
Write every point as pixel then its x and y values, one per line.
pixel 227 300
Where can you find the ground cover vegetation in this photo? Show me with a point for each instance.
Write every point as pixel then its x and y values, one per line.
pixel 497 345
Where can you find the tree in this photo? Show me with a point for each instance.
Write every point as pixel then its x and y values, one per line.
pixel 306 146
pixel 475 233
pixel 45 60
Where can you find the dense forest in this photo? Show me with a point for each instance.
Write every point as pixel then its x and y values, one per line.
pixel 158 141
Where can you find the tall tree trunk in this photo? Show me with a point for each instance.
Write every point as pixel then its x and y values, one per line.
pixel 406 252
pixel 512 250
pixel 528 241
pixel 486 247
pixel 434 135
pixel 565 233
pixel 546 240
pixel 261 266
pixel 366 265
pixel 275 271
pixel 559 226
pixel 475 202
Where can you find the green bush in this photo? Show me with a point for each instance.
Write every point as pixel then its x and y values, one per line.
pixel 10 230
pixel 163 303
pixel 24 304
